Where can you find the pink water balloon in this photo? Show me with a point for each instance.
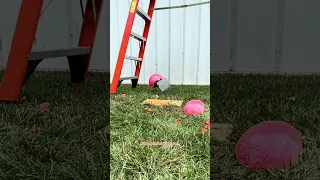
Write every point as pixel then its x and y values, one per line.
pixel 270 144
pixel 194 107
pixel 154 78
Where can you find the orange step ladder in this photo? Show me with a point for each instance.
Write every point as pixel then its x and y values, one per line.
pixel 22 62
pixel 134 9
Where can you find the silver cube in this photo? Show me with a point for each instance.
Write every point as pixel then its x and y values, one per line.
pixel 163 84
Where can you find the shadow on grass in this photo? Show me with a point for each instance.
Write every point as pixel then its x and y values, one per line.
pixel 244 100
pixel 71 141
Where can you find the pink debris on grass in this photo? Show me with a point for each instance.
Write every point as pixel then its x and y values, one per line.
pixel 206 127
pixel 154 78
pixel 193 108
pixel 270 144
pixel 208 123
pixel 44 107
pixel 178 121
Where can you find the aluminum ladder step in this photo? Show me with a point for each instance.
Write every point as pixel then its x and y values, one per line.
pixel 133 58
pixel 143 15
pixel 53 53
pixel 128 78
pixel 138 37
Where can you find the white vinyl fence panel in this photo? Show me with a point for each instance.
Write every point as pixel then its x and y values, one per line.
pixel 59 27
pixel 178 45
pixel 265 36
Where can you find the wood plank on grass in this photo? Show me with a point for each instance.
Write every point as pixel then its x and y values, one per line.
pixel 158 102
pixel 160 143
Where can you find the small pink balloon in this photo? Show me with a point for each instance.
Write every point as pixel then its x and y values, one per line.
pixel 270 144
pixel 194 107
pixel 154 78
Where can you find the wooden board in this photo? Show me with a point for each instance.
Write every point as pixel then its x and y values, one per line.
pixel 158 102
pixel 160 143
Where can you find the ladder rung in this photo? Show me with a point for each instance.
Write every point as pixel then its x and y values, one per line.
pixel 52 53
pixel 138 37
pixel 128 78
pixel 142 14
pixel 133 58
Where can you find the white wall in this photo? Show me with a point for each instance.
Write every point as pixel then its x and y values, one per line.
pixel 265 36
pixel 59 27
pixel 178 45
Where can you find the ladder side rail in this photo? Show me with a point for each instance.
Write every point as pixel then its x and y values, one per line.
pixel 22 42
pixel 124 46
pixel 145 35
pixel 79 65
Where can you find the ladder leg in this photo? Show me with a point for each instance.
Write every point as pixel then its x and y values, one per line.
pixel 123 47
pixel 79 65
pixel 32 65
pixel 143 45
pixel 21 46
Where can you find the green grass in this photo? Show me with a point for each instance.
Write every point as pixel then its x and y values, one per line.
pixel 72 142
pixel 246 100
pixel 131 124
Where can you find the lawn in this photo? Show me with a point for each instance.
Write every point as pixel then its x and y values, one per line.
pixel 132 123
pixel 246 100
pixel 68 142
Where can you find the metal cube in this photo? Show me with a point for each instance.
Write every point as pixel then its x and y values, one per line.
pixel 163 84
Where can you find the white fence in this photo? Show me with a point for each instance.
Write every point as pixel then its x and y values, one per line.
pixel 178 46
pixel 265 36
pixel 59 27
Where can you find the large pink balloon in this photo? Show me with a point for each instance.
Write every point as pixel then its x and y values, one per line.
pixel 154 78
pixel 270 144
pixel 194 107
